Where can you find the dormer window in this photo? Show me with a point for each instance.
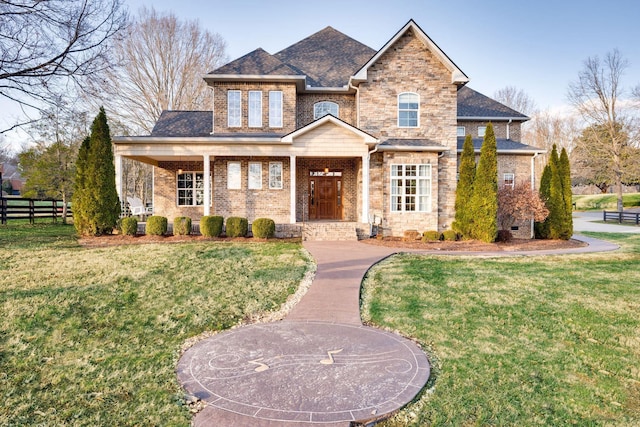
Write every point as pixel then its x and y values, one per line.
pixel 408 109
pixel 323 108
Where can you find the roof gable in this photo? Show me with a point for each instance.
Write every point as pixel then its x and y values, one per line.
pixel 329 120
pixel 457 76
pixel 473 105
pixel 328 58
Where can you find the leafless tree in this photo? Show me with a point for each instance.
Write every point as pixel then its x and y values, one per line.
pixel 161 62
pixel 516 99
pixel 598 96
pixel 51 46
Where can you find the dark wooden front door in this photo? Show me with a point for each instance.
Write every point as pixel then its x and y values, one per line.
pixel 325 197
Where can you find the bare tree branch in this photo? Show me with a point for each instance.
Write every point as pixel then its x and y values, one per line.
pixel 47 45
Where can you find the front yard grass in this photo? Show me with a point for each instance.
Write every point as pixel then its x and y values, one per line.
pixel 518 341
pixel 92 336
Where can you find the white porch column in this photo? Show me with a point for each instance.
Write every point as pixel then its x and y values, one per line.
pixel 292 189
pixel 207 183
pixel 365 189
pixel 118 159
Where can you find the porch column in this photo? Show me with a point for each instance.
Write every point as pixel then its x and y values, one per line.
pixel 365 189
pixel 118 159
pixel 292 189
pixel 207 183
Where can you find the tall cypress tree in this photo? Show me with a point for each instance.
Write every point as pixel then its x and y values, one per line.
pixel 98 204
pixel 556 197
pixel 464 190
pixel 564 169
pixel 484 202
pixel 542 228
pixel 79 198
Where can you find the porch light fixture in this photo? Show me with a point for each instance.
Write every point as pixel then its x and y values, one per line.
pixel 326 170
pixel 179 171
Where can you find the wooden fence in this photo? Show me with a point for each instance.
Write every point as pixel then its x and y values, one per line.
pixel 12 208
pixel 621 217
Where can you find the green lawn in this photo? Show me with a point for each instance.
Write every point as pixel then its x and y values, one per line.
pixel 518 341
pixel 605 201
pixel 92 336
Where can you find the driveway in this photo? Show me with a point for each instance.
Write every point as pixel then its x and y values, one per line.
pixel 585 221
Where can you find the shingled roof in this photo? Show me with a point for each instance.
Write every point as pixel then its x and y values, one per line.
pixel 502 145
pixel 183 124
pixel 327 58
pixel 474 105
pixel 258 62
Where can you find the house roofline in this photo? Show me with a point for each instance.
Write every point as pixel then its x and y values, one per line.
pixel 205 139
pixel 511 151
pixel 457 75
pixel 492 118
pixel 431 149
pixel 368 139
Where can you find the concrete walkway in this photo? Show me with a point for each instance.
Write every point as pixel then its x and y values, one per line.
pixel 320 366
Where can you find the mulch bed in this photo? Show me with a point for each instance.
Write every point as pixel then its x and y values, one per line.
pixel 464 246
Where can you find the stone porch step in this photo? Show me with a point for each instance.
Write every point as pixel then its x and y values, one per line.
pixel 334 230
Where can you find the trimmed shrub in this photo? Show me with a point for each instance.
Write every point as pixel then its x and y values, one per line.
pixel 449 235
pixel 410 235
pixel 237 226
pixel 431 236
pixel 181 226
pixel 211 226
pixel 129 226
pixel 263 228
pixel 157 225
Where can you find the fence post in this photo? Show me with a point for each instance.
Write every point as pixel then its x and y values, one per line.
pixel 3 211
pixel 32 212
pixel 55 211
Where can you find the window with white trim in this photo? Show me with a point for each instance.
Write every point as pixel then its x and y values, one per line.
pixel 234 176
pixel 234 108
pixel 275 175
pixel 255 109
pixel 255 175
pixel 460 131
pixel 190 189
pixel 411 188
pixel 509 180
pixel 481 131
pixel 408 110
pixel 323 108
pixel 275 108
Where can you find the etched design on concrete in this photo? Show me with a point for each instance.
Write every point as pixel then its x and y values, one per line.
pixel 284 372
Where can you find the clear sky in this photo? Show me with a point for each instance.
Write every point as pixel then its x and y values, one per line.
pixel 537 46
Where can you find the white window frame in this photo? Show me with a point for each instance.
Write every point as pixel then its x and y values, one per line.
pixel 255 109
pixel 405 107
pixel 322 108
pixel 234 175
pixel 410 187
pixel 481 131
pixel 275 176
pixel 509 179
pixel 234 108
pixel 461 131
pixel 197 190
pixel 254 180
pixel 276 99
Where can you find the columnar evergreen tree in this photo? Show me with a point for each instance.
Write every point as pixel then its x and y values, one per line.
pixel 99 204
pixel 80 194
pixel 542 228
pixel 484 201
pixel 564 169
pixel 464 190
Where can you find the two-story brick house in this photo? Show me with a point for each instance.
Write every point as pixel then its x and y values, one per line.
pixel 329 130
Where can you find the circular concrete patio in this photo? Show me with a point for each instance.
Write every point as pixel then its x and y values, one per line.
pixel 307 372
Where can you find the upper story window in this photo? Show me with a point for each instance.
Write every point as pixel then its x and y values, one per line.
pixel 275 108
pixel 481 131
pixel 234 108
pixel 255 109
pixel 323 108
pixel 408 110
pixel 460 131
